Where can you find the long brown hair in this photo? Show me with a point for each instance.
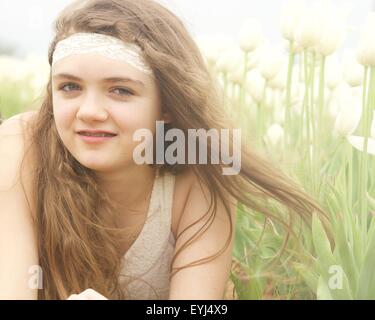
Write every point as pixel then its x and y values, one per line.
pixel 78 248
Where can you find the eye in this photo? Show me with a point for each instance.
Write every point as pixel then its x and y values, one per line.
pixel 123 92
pixel 68 87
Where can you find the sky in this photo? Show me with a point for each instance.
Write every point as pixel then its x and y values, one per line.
pixel 27 25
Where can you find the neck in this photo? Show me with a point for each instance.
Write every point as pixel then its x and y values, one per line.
pixel 128 187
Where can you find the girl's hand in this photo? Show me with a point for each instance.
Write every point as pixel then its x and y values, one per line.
pixel 88 294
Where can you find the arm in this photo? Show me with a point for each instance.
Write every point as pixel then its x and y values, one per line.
pixel 18 249
pixel 207 280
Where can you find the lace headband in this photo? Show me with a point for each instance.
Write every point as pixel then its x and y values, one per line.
pixel 111 47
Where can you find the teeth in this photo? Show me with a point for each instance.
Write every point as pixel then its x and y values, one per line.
pixel 97 134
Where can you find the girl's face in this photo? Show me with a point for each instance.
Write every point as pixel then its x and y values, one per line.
pixel 93 92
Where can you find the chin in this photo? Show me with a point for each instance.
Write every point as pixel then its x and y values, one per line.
pixel 100 165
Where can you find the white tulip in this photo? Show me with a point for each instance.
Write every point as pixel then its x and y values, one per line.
pixel 290 17
pixel 359 142
pixel 228 60
pixel 309 29
pixel 332 37
pixel 274 134
pixel 235 75
pixel 251 35
pixel 350 112
pixel 366 52
pixel 333 72
pixel 208 50
pixel 279 81
pixel 353 71
pixel 332 20
pixel 271 62
pixel 366 47
pixel 212 46
pixel 255 84
pixel 253 59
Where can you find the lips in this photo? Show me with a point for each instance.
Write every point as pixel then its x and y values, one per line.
pixel 96 133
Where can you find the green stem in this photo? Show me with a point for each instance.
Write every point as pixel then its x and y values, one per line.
pixel 312 120
pixel 319 125
pixel 350 179
pixel 321 92
pixel 261 118
pixel 242 98
pixel 364 99
pixel 307 102
pixel 364 156
pixel 288 95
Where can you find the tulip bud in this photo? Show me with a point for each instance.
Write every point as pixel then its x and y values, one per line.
pixel 235 75
pixel 274 135
pixel 228 59
pixel 353 71
pixel 271 62
pixel 212 46
pixel 309 30
pixel 250 35
pixel 366 48
pixel 290 17
pixel 255 84
pixel 332 38
pixel 279 81
pixel 333 72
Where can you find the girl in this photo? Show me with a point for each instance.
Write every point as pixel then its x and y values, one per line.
pixel 79 218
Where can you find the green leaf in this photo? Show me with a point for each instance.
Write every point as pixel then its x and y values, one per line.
pixel 323 292
pixel 321 244
pixel 366 283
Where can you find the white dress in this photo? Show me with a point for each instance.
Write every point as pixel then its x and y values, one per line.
pixel 149 258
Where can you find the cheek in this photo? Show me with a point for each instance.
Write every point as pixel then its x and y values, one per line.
pixel 140 118
pixel 63 113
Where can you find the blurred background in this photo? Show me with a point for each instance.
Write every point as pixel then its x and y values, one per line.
pixel 26 26
pixel 26 30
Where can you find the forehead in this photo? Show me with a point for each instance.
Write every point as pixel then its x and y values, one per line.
pixel 94 66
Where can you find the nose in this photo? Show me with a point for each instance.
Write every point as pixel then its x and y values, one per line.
pixel 91 109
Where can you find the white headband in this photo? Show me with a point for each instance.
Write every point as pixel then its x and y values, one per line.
pixel 111 47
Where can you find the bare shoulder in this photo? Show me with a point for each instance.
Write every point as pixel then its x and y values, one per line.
pixel 17 124
pixel 182 187
pixel 18 239
pixel 188 185
pixel 15 152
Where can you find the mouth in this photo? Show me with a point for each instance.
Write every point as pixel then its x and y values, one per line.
pixel 96 137
pixel 99 134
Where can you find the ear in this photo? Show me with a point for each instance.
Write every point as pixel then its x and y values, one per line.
pixel 166 117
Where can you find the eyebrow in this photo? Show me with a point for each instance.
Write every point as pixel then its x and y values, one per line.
pixel 108 80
